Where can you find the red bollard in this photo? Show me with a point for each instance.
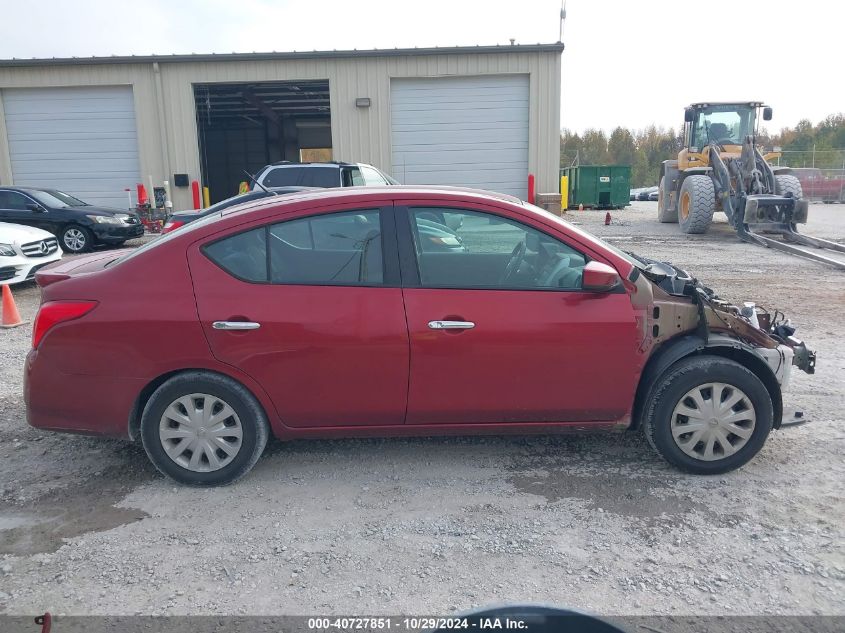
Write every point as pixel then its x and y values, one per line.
pixel 195 189
pixel 45 622
pixel 531 188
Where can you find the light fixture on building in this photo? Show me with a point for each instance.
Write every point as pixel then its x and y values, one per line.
pixel 362 102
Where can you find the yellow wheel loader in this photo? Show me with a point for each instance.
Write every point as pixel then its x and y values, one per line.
pixel 721 168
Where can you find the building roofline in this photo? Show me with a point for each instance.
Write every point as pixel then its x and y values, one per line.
pixel 281 56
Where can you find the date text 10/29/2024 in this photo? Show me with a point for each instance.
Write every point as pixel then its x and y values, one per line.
pixel 422 623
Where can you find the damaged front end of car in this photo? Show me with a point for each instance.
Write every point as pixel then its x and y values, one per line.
pixel 675 303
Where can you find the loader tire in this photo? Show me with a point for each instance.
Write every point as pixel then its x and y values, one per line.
pixel 696 204
pixel 664 214
pixel 786 184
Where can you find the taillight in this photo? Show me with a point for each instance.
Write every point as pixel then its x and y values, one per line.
pixel 54 312
pixel 172 225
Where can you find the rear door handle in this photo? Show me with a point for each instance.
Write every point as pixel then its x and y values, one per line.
pixel 451 325
pixel 235 325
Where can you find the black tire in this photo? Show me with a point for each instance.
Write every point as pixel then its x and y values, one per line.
pixel 684 376
pixel 786 184
pixel 664 214
pixel 75 239
pixel 252 419
pixel 696 204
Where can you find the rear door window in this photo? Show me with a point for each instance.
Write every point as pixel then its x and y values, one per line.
pixel 331 249
pixel 337 248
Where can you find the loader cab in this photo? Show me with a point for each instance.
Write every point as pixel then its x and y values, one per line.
pixel 724 123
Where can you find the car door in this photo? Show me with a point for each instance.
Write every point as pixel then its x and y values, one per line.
pixel 311 308
pixel 500 329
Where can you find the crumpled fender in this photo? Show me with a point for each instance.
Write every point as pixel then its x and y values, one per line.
pixel 680 347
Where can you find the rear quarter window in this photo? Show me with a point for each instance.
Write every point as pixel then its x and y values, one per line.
pixel 243 255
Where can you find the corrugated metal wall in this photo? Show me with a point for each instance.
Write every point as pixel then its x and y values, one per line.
pixel 165 109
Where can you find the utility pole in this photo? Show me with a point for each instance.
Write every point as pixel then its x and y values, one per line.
pixel 562 20
pixel 814 154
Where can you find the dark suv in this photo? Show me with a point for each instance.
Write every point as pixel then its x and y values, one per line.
pixel 77 224
pixel 287 174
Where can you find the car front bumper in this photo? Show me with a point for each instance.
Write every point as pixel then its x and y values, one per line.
pixel 112 233
pixel 14 270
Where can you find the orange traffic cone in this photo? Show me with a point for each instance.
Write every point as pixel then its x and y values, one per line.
pixel 581 207
pixel 607 219
pixel 11 317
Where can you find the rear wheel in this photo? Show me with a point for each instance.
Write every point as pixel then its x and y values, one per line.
pixel 696 204
pixel 708 415
pixel 203 429
pixel 663 213
pixel 786 184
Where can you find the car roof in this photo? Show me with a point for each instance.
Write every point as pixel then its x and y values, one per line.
pixel 327 163
pixel 381 191
pixel 26 189
pixel 702 104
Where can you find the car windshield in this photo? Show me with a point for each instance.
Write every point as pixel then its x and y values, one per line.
pixel 589 237
pixel 56 199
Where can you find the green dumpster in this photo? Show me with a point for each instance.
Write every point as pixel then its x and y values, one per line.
pixel 598 186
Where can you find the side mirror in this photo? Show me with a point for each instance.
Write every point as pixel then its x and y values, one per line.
pixel 689 115
pixel 37 208
pixel 598 277
pixel 767 113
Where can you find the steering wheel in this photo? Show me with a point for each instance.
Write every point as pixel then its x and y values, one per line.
pixel 517 256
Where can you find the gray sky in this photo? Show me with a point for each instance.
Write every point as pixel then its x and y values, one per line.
pixel 626 63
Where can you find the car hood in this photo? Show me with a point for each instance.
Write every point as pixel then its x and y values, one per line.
pixel 20 234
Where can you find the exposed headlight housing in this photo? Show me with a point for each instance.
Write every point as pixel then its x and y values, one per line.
pixel 105 219
pixel 7 250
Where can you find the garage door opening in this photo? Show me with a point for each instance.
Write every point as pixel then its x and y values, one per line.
pixel 245 126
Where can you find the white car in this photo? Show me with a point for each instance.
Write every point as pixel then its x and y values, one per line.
pixel 23 250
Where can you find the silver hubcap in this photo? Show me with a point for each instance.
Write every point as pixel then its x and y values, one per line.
pixel 74 239
pixel 713 421
pixel 200 432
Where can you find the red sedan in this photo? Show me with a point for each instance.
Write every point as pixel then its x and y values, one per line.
pixel 396 311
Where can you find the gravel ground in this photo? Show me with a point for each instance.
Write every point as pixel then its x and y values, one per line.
pixel 596 522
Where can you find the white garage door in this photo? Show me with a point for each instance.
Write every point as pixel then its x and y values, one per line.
pixel 465 131
pixel 80 140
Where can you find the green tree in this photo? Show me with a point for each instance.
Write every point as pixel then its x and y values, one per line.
pixel 621 147
pixel 593 148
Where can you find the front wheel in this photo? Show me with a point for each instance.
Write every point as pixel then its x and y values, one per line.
pixel 203 429
pixel 696 204
pixel 76 239
pixel 708 415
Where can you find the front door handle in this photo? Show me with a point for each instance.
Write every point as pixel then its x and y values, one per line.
pixel 451 325
pixel 235 325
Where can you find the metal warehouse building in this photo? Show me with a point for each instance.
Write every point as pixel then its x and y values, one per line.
pixel 476 116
